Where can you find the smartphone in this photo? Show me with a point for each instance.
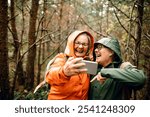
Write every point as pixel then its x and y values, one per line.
pixel 91 67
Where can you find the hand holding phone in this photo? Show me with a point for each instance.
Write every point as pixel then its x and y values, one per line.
pixel 74 66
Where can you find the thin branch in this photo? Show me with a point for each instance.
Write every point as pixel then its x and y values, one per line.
pixel 123 26
pixel 130 29
pixel 32 46
pixel 54 51
pixel 101 34
pixel 13 17
pixel 119 9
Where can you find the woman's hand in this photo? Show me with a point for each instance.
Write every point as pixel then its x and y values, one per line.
pixel 74 66
pixel 99 78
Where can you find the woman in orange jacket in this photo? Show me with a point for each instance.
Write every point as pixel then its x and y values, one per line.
pixel 66 76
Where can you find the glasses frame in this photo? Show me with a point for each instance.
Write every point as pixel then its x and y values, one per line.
pixel 83 44
pixel 100 46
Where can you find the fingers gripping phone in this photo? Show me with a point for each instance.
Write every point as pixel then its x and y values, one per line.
pixel 91 67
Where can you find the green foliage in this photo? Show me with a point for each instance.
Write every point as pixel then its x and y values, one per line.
pixel 41 94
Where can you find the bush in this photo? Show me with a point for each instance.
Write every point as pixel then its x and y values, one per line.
pixel 41 94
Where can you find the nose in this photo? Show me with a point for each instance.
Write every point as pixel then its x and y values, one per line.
pixel 96 50
pixel 80 46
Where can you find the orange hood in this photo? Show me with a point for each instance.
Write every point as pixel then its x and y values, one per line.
pixel 69 51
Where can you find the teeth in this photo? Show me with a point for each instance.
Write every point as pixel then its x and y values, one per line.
pixel 80 51
pixel 98 55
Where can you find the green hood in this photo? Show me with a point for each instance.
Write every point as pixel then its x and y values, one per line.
pixel 112 44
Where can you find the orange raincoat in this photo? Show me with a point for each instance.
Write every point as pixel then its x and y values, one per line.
pixel 68 88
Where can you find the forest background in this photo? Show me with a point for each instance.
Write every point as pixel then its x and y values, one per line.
pixel 33 31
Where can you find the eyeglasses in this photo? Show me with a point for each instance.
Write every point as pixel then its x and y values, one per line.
pixel 83 44
pixel 99 46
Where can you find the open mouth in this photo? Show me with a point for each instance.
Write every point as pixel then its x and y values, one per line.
pixel 98 55
pixel 80 51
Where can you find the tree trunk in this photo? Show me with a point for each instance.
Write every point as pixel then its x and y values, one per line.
pixel 19 67
pixel 32 51
pixel 147 68
pixel 140 7
pixel 60 23
pixel 4 67
pixel 107 18
pixel 43 32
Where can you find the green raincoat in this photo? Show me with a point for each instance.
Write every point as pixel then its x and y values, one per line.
pixel 119 82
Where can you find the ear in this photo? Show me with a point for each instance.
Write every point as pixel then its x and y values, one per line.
pixel 112 53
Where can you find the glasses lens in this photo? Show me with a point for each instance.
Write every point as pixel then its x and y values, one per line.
pixel 83 44
pixel 99 46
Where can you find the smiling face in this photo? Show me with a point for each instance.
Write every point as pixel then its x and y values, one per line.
pixel 104 55
pixel 81 45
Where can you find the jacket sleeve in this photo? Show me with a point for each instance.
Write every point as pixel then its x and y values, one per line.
pixel 55 75
pixel 129 75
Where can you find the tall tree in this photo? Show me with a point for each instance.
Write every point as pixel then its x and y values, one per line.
pixel 4 68
pixel 140 9
pixel 32 46
pixel 19 68
pixel 60 21
pixel 43 27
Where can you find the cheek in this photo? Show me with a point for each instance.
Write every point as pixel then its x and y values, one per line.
pixel 105 55
pixel 86 49
pixel 75 47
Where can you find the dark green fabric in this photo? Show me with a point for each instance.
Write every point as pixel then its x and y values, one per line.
pixel 119 82
pixel 118 85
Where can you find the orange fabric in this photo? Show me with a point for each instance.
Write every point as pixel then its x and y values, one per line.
pixel 63 87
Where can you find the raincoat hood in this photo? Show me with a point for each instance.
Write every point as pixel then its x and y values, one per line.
pixel 69 51
pixel 113 44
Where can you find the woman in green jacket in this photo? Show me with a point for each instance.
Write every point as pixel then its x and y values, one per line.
pixel 115 79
